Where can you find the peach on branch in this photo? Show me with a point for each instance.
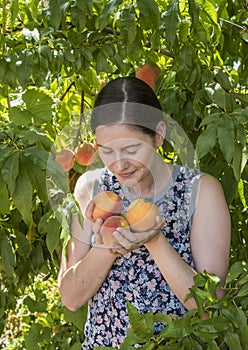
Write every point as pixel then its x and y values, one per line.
pixel 107 203
pixel 148 73
pixel 109 226
pixel 85 153
pixel 65 158
pixel 141 215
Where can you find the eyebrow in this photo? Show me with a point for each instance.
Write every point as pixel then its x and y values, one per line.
pixel 129 146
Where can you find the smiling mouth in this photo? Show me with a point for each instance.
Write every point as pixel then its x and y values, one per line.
pixel 126 175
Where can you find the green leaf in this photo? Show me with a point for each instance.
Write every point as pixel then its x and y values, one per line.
pixel 39 104
pixel 220 97
pixel 242 322
pixel 171 21
pixel 101 63
pixel 206 141
pixel 107 10
pixel 4 200
pixel 236 270
pixel 226 137
pixel 78 317
pixel 20 117
pixel 35 305
pixel 232 340
pixel 241 191
pixel 142 324
pixel 178 328
pixel 36 335
pixel 23 245
pixel 76 346
pixel 237 160
pixel 241 134
pixel 209 10
pixel 229 184
pixel 212 345
pixel 241 115
pixel 243 292
pixel 223 79
pixel 212 118
pixel 57 9
pixel 38 109
pixel 37 178
pixel 150 15
pixel 14 8
pixel 10 171
pixel 38 156
pixel 37 257
pixel 78 18
pixel 127 25
pixel 8 257
pixel 22 195
pixel 24 69
pixel 49 224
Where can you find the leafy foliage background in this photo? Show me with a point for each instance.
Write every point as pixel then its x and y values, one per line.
pixel 54 56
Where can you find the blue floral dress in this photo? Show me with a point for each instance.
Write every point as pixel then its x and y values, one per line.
pixel 135 276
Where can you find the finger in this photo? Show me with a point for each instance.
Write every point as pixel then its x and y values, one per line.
pixel 118 250
pixel 122 239
pixel 98 239
pixel 97 225
pixel 89 211
pixel 129 235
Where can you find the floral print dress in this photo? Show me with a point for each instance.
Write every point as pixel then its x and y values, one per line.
pixel 135 276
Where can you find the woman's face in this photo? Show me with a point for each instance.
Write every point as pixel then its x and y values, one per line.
pixel 129 154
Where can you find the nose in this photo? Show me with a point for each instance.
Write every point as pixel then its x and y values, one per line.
pixel 119 164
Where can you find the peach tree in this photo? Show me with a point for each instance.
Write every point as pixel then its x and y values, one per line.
pixel 54 57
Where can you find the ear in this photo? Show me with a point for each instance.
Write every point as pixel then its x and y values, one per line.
pixel 160 133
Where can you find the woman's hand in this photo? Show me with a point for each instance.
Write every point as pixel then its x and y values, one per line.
pixel 95 224
pixel 128 240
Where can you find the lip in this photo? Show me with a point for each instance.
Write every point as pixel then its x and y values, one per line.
pixel 126 175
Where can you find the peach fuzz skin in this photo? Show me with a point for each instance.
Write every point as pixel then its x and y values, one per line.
pixel 107 203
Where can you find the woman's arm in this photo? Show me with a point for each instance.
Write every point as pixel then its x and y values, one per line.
pixel 84 268
pixel 210 243
pixel 82 273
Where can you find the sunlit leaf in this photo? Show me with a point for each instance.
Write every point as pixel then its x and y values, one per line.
pixel 206 140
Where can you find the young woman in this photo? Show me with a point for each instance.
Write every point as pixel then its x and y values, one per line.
pixel 155 269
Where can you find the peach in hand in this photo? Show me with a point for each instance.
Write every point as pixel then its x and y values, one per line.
pixel 107 203
pixel 141 215
pixel 109 226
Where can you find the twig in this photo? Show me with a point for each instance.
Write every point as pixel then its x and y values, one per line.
pixel 67 90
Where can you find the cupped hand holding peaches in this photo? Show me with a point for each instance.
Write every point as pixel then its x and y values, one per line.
pixel 123 232
pixel 126 240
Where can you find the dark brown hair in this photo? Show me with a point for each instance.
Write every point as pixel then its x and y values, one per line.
pixel 127 100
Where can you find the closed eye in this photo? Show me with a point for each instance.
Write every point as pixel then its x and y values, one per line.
pixel 130 152
pixel 106 150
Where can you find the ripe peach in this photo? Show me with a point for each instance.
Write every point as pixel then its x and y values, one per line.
pixel 148 73
pixel 141 215
pixel 65 158
pixel 85 153
pixel 107 203
pixel 109 226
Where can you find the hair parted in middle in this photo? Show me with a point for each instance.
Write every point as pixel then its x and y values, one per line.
pixel 127 100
